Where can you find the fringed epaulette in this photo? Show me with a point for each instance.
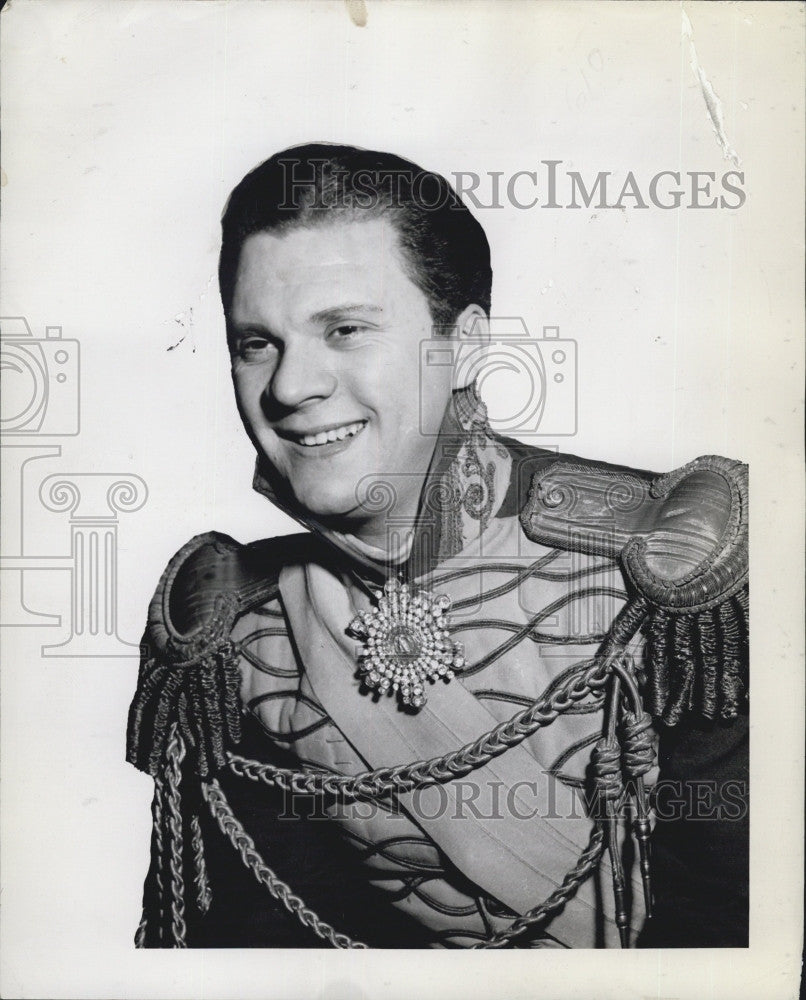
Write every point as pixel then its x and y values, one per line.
pixel 682 541
pixel 189 667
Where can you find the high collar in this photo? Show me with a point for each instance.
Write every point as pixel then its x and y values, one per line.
pixel 462 491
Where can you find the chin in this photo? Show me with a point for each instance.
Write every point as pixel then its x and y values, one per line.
pixel 328 506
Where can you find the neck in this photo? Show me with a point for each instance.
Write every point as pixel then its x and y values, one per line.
pixel 387 535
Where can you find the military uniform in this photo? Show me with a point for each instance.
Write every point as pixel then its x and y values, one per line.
pixel 598 628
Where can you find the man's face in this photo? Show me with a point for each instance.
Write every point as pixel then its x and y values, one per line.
pixel 324 330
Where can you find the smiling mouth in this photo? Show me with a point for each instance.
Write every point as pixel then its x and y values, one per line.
pixel 319 438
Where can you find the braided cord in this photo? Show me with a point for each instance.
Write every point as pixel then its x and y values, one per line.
pixel 175 753
pixel 373 784
pixel 245 846
pixel 457 763
pixel 638 751
pixel 203 894
pixel 638 758
pixel 140 933
pixel 548 909
pixel 158 854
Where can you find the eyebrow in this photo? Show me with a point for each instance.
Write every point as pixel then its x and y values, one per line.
pixel 339 312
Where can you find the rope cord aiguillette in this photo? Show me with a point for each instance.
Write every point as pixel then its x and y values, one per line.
pixel 382 782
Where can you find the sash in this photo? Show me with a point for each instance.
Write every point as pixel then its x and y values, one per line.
pixel 501 825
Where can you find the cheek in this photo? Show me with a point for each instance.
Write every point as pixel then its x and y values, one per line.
pixel 249 388
pixel 434 392
pixel 404 387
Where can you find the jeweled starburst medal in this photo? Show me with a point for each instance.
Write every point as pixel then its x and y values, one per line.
pixel 406 643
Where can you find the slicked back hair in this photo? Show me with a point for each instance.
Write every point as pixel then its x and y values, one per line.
pixel 445 250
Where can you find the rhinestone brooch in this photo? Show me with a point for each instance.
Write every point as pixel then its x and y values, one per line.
pixel 406 643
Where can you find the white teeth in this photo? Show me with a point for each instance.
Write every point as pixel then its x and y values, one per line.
pixel 337 434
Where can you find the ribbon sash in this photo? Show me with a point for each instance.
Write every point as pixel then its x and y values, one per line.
pixel 508 826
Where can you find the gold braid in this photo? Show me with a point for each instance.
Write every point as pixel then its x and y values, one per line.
pixel 376 784
pixel 175 753
pixel 408 777
pixel 245 846
pixel 203 893
pixel 159 860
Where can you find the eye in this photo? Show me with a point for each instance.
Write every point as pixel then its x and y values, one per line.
pixel 345 331
pixel 255 347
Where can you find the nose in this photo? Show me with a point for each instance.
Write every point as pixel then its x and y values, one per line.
pixel 301 376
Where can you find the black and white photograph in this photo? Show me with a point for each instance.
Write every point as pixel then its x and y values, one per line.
pixel 402 477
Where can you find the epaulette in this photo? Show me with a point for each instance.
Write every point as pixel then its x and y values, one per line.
pixel 189 667
pixel 682 541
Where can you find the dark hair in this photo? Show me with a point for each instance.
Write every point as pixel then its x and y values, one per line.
pixel 444 247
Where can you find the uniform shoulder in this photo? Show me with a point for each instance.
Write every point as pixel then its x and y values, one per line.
pixel 189 667
pixel 681 539
pixel 212 579
pixel 529 461
pixel 681 536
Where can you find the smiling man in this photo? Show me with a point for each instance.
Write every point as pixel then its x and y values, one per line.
pixel 324 329
pixel 433 718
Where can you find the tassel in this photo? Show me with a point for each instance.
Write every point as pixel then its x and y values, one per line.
pixel 606 759
pixel 638 757
pixel 698 663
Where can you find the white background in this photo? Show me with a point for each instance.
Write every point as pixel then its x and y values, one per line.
pixel 125 126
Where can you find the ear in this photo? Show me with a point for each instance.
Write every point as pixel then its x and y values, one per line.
pixel 472 332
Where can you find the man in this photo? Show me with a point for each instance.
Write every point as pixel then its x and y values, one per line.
pixel 435 713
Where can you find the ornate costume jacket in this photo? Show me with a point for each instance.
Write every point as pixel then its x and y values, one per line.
pixel 598 633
